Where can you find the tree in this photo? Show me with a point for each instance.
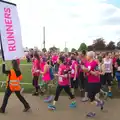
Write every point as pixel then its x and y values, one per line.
pixel 118 45
pixel 82 47
pixel 111 46
pixel 44 50
pixel 66 49
pixel 90 48
pixel 53 49
pixel 73 50
pixel 99 44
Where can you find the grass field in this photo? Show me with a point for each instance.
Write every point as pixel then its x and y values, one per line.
pixel 26 72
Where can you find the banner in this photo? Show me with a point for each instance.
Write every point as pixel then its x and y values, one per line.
pixel 10 31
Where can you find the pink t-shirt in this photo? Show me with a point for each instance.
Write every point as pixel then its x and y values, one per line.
pixel 35 67
pixel 63 81
pixel 74 63
pixel 92 66
pixel 114 60
pixel 54 58
pixel 46 77
pixel 42 64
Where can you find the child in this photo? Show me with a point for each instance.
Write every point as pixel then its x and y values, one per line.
pixel 13 85
pixel 63 83
pixel 46 77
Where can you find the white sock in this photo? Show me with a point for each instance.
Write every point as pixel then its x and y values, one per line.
pixel 72 90
pixel 97 97
pixel 86 95
pixel 54 102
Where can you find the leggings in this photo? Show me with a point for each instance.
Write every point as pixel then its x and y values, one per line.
pixel 66 89
pixel 8 92
pixel 35 83
pixel 82 80
pixel 74 84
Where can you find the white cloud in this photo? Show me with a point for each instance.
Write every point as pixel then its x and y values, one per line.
pixel 74 21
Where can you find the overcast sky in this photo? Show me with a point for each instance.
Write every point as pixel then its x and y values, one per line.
pixel 73 21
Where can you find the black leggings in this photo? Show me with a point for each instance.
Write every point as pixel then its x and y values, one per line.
pixel 66 89
pixel 82 80
pixel 74 83
pixel 107 79
pixel 8 92
pixel 35 83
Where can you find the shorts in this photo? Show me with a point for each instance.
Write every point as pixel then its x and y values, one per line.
pixel 74 84
pixel 93 89
pixel 107 79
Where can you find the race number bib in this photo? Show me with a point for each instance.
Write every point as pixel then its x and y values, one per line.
pixel 60 79
pixel 72 71
pixel 89 67
pixel 107 67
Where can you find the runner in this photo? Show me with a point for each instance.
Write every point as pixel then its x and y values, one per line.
pixel 63 83
pixel 93 77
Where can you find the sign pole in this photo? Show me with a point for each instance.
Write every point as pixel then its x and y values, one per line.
pixel 2 48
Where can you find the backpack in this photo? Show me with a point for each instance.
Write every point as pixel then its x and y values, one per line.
pixel 51 73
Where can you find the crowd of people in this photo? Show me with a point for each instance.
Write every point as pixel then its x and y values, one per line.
pixel 86 71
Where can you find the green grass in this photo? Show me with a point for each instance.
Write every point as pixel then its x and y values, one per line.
pixel 27 76
pixel 26 72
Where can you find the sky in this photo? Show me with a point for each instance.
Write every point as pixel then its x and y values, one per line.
pixel 70 21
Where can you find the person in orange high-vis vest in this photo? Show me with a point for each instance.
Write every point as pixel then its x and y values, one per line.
pixel 13 85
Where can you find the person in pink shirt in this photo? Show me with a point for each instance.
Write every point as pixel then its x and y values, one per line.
pixel 63 83
pixel 74 74
pixel 46 79
pixel 36 73
pixel 93 78
pixel 54 62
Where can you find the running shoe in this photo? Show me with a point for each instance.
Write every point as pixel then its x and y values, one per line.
pixel 105 95
pixel 48 99
pixel 35 94
pixel 100 104
pixel 109 94
pixel 26 109
pixel 91 114
pixel 72 105
pixel 84 99
pixel 2 111
pixel 51 107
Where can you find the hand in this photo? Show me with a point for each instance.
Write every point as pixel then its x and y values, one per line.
pixel 74 79
pixel 55 74
pixel 37 70
pixel 3 62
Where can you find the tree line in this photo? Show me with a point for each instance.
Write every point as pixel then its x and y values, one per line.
pixel 98 44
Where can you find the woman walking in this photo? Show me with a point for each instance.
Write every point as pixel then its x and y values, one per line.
pixel 13 85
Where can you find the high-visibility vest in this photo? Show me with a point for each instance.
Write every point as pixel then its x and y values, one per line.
pixel 13 81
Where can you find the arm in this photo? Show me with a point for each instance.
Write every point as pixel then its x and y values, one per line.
pixel 45 70
pixel 112 68
pixel 75 72
pixel 4 69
